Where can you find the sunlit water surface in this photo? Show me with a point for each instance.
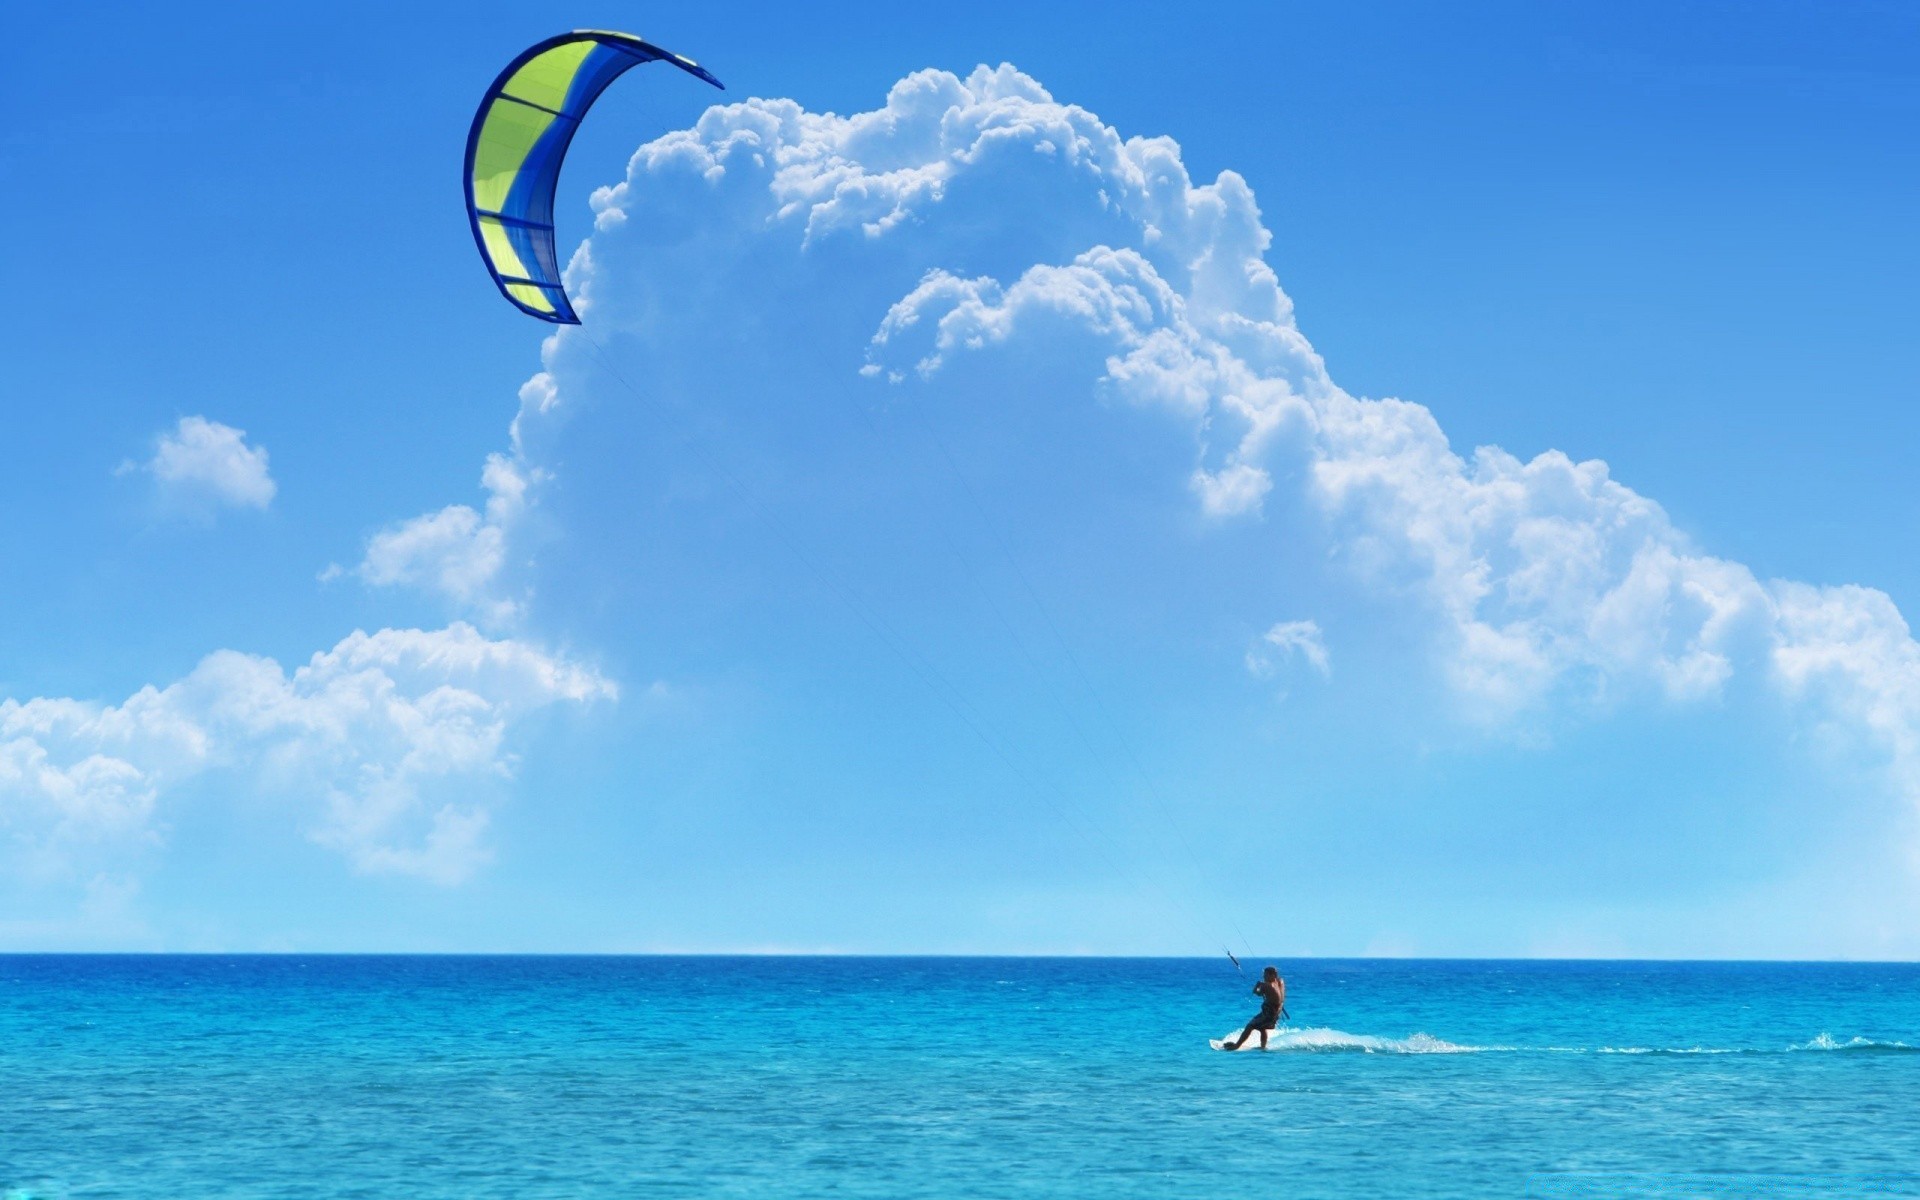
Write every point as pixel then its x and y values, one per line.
pixel 428 1077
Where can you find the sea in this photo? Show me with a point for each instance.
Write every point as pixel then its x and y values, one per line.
pixel 192 1077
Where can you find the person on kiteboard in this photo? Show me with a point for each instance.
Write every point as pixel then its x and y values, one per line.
pixel 1272 991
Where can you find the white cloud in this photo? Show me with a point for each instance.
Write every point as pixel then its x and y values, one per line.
pixel 1286 641
pixel 391 735
pixel 458 552
pixel 1539 580
pixel 204 462
pixel 1231 490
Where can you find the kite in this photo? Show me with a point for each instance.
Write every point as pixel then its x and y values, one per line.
pixel 514 150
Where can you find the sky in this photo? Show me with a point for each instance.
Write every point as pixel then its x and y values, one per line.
pixel 1304 478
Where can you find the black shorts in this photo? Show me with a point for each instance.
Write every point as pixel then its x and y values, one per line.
pixel 1266 1020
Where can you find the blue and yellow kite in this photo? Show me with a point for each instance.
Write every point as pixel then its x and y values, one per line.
pixel 514 151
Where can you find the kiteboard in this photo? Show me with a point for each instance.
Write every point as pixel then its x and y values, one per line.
pixel 1226 1043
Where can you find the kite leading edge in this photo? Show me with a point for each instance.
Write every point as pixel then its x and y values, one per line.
pixel 518 140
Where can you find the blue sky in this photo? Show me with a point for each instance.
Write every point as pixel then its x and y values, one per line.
pixel 783 623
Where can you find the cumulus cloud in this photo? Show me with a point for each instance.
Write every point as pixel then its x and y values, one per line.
pixel 459 553
pixel 391 736
pixel 1538 580
pixel 203 462
pixel 1287 641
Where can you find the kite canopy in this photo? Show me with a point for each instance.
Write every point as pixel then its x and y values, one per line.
pixel 519 138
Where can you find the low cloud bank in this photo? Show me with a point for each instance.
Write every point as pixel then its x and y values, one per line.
pixel 388 738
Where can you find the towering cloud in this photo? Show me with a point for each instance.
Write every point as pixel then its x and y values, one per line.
pixel 980 220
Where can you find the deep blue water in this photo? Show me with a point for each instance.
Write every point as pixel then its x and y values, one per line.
pixel 176 1077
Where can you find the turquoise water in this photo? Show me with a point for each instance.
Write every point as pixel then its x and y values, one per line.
pixel 165 1077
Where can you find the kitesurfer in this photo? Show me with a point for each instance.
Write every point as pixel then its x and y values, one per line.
pixel 1272 991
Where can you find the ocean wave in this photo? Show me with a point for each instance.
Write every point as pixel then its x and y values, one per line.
pixel 1825 1041
pixel 1658 1050
pixel 1857 1045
